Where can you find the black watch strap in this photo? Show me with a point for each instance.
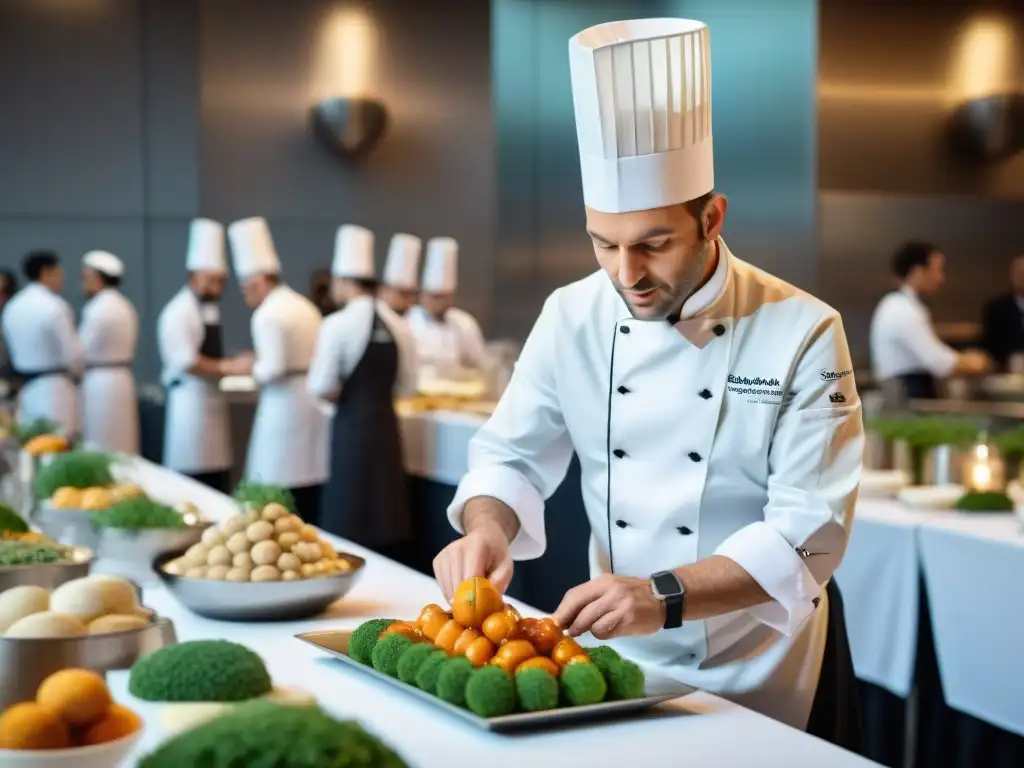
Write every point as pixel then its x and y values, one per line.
pixel 669 590
pixel 674 612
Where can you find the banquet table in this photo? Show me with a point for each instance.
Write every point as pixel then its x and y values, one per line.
pixel 698 730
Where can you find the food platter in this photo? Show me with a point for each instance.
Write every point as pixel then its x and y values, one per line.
pixel 47 575
pixel 335 643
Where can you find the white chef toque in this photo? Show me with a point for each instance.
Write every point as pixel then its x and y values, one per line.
pixel 440 274
pixel 252 248
pixel 642 96
pixel 353 253
pixel 104 262
pixel 206 247
pixel 403 265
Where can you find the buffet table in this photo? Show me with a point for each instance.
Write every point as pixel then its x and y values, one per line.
pixel 699 730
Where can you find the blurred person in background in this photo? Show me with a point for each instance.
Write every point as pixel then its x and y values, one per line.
pixel 400 288
pixel 1002 334
pixel 109 332
pixel 365 356
pixel 289 442
pixel 320 291
pixel 8 285
pixel 904 345
pixel 45 353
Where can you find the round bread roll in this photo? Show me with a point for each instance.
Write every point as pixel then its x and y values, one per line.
pixel 242 560
pixel 18 602
pixel 219 555
pixel 291 523
pixel 265 573
pixel 265 552
pixel 237 574
pixel 261 530
pixel 308 551
pixel 290 576
pixel 212 537
pixel 217 572
pixel 196 572
pixel 309 534
pixel 307 570
pixel 196 555
pixel 116 622
pixel 47 624
pixel 90 597
pixel 274 511
pixel 232 526
pixel 289 562
pixel 288 540
pixel 238 542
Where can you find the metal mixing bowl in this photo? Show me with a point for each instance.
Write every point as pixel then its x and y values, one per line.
pixel 258 601
pixel 26 662
pixel 72 527
pixel 47 575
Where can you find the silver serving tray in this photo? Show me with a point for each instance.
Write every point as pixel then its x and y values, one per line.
pixel 336 644
pixel 47 575
pixel 260 601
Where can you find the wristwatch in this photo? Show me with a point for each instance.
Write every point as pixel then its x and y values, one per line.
pixel 667 588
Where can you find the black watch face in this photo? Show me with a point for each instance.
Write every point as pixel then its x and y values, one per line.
pixel 666 584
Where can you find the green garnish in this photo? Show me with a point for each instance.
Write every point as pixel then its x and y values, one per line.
pixel 75 469
pixel 138 514
pixel 21 553
pixel 978 501
pixel 25 432
pixel 259 495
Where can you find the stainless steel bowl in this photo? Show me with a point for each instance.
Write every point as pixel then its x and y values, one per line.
pixel 133 551
pixel 72 527
pixel 47 575
pixel 261 601
pixel 25 662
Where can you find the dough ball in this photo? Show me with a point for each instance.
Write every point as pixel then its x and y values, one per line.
pixel 238 542
pixel 175 567
pixel 307 570
pixel 219 555
pixel 237 574
pixel 90 597
pixel 242 560
pixel 261 530
pixel 145 612
pixel 274 511
pixel 309 533
pixel 217 572
pixel 196 572
pixel 47 624
pixel 289 524
pixel 290 576
pixel 265 552
pixel 196 555
pixel 308 551
pixel 232 526
pixel 212 537
pixel 289 562
pixel 117 622
pixel 18 602
pixel 288 540
pixel 266 573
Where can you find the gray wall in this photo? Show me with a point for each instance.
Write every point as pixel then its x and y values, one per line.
pixel 763 100
pixel 123 120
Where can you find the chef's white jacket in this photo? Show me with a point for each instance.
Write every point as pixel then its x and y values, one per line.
pixel 455 342
pixel 289 445
pixel 903 339
pixel 344 337
pixel 109 333
pixel 736 432
pixel 39 327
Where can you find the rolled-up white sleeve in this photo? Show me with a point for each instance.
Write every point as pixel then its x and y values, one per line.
pixel 521 455
pixel 814 467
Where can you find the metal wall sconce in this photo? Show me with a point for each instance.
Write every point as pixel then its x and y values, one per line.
pixel 989 130
pixel 350 127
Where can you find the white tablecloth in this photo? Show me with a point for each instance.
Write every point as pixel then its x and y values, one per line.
pixel 699 730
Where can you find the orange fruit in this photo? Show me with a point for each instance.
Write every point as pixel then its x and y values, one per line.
pixel 543 634
pixel 30 725
pixel 429 612
pixel 117 723
pixel 480 651
pixel 448 636
pixel 539 662
pixel 564 650
pixel 465 640
pixel 402 628
pixel 78 696
pixel 500 626
pixel 475 600
pixel 512 654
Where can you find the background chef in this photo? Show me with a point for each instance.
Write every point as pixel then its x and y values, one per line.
pixel 719 506
pixel 289 442
pixel 44 350
pixel 197 430
pixel 365 356
pixel 400 288
pixel 446 336
pixel 109 333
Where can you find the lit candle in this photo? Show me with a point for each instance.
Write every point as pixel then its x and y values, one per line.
pixel 984 471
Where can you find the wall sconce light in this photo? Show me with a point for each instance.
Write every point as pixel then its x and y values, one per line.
pixel 990 129
pixel 349 126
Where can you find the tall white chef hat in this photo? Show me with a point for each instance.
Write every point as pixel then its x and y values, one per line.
pixel 206 246
pixel 252 248
pixel 642 95
pixel 353 253
pixel 403 264
pixel 440 274
pixel 104 262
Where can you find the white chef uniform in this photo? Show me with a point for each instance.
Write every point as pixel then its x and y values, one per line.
pixel 109 332
pixel 402 267
pixel 197 427
pixel 737 432
pixel 456 341
pixel 39 328
pixel 903 339
pixel 289 442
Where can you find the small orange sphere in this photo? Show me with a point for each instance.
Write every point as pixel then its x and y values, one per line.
pixel 116 724
pixel 448 636
pixel 402 628
pixel 540 662
pixel 30 725
pixel 433 624
pixel 579 658
pixel 512 654
pixel 544 634
pixel 475 600
pixel 78 696
pixel 564 650
pixel 500 626
pixel 480 651
pixel 429 612
pixel 465 640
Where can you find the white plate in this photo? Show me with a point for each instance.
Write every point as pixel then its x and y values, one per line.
pixel 931 496
pixel 875 483
pixel 109 755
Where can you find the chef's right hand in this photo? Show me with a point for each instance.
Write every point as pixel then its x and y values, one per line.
pixel 481 552
pixel 975 362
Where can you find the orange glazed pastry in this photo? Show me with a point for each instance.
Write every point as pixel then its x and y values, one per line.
pixel 540 662
pixel 512 654
pixel 474 601
pixel 500 626
pixel 543 634
pixel 565 650
pixel 448 636
pixel 480 651
pixel 465 640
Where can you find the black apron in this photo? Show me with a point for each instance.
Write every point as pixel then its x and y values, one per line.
pixel 212 346
pixel 366 498
pixel 919 386
pixel 16 379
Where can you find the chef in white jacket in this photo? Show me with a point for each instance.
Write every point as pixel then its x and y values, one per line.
pixel 712 407
pixel 197 429
pixel 289 442
pixel 44 350
pixel 109 332
pixel 446 337
pixel 365 356
pixel 400 286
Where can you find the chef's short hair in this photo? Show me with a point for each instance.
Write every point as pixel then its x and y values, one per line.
pixel 697 207
pixel 36 261
pixel 111 281
pixel 913 253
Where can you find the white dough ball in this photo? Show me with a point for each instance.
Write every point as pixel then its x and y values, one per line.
pixel 242 560
pixel 290 576
pixel 239 542
pixel 18 602
pixel 47 624
pixel 266 573
pixel 90 597
pixel 196 554
pixel 237 574
pixel 232 526
pixel 212 537
pixel 219 555
pixel 288 540
pixel 289 562
pixel 291 523
pixel 217 572
pixel 309 533
pixel 196 572
pixel 261 530
pixel 265 552
pixel 274 511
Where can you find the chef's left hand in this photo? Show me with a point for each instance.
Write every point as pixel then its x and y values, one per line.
pixel 611 606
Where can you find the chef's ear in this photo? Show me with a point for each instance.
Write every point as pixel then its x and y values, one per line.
pixel 712 216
